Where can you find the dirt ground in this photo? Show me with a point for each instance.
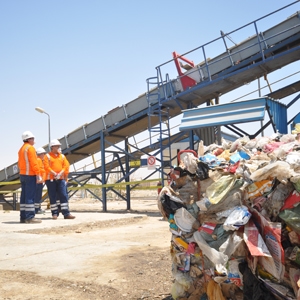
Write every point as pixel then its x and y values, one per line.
pixel 138 272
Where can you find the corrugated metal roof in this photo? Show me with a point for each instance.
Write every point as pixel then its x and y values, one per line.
pixel 224 114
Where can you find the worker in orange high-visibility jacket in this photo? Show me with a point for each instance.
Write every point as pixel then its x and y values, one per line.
pixel 30 175
pixel 40 152
pixel 65 178
pixel 57 170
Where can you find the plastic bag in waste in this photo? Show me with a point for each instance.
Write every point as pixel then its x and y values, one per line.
pixel 203 204
pixel 224 155
pixel 184 279
pixel 296 183
pixel 254 240
pixel 253 288
pixel 294 276
pixel 224 213
pixel 239 217
pixel 271 234
pixel 279 169
pixel 292 218
pixel 213 234
pixel 200 149
pixel 234 246
pixel 293 158
pixel 218 190
pixel 236 145
pixel 234 274
pixel 210 159
pixel 291 201
pixel 258 188
pixel 217 258
pixel 189 191
pixel 287 138
pixel 214 291
pixel 239 155
pixel 173 227
pixel 177 290
pixel 214 175
pixel 251 144
pixel 232 199
pixel 231 291
pixel 262 141
pixel 193 209
pixel 202 171
pixel 279 290
pixel 169 206
pixel 180 182
pixel 276 199
pixel 188 160
pixel 184 220
pixel 272 146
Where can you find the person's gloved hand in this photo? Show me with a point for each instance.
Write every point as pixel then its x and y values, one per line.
pixel 59 175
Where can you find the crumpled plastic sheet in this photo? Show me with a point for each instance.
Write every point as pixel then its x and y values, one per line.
pixel 292 217
pixel 237 218
pixel 219 189
pixel 278 169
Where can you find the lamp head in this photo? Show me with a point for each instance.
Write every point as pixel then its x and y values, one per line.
pixel 39 109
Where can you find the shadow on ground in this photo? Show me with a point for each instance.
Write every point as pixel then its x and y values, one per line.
pixel 120 211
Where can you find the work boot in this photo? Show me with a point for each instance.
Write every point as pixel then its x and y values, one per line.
pixel 33 221
pixel 69 217
pixel 22 220
pixel 54 217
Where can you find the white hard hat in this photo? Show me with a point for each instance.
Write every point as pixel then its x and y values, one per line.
pixel 40 150
pixel 55 142
pixel 27 135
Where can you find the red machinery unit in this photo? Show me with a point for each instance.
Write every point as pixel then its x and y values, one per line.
pixel 185 80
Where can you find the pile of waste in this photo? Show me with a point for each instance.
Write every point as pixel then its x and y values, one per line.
pixel 235 220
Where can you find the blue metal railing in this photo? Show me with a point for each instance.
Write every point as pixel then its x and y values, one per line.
pixel 259 41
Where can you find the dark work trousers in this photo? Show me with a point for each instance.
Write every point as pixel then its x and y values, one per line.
pixel 58 188
pixel 38 196
pixel 28 185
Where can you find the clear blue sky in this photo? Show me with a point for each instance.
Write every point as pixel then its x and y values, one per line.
pixel 80 59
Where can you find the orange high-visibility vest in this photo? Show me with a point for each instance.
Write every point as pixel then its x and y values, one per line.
pixel 42 168
pixel 27 162
pixel 56 163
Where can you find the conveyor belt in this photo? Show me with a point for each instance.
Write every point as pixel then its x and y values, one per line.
pixel 251 60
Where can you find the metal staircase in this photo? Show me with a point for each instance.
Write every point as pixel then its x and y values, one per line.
pixel 159 120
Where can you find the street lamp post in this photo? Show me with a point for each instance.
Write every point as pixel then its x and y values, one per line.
pixel 40 110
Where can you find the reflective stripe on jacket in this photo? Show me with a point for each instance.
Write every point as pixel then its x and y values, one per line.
pixel 56 163
pixel 27 162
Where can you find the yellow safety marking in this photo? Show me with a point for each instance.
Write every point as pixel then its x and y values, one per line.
pixel 135 163
pixel 9 182
pixel 118 186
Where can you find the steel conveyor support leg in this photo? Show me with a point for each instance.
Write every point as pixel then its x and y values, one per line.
pixel 14 201
pixel 127 172
pixel 103 171
pixel 191 139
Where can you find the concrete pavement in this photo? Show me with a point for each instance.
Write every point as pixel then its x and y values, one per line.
pixel 33 247
pixel 10 220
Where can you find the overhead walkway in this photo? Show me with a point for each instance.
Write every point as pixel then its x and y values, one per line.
pixel 264 52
